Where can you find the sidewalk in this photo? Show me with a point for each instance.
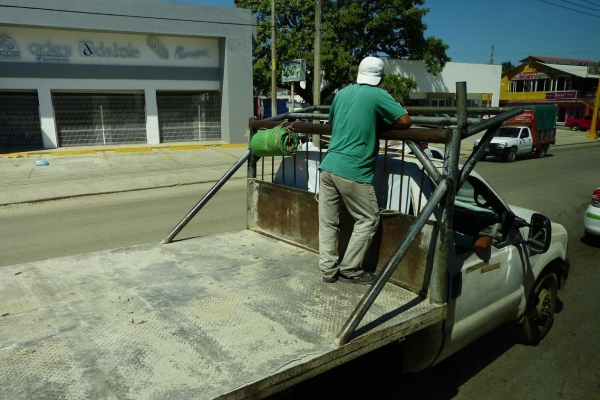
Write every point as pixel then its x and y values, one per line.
pixel 86 171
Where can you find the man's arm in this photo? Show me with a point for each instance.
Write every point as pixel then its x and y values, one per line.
pixel 402 123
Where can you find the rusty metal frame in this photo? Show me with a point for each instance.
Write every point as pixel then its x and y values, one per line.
pixel 448 182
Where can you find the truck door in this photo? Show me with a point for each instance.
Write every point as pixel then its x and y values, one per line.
pixel 485 288
pixel 525 141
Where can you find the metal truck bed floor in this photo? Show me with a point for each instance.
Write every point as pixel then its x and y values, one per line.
pixel 237 313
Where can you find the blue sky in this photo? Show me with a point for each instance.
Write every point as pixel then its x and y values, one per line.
pixel 516 28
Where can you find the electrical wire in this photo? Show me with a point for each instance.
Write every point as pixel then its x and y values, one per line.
pixel 579 5
pixel 567 8
pixel 125 15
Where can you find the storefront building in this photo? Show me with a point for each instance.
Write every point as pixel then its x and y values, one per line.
pixel 98 73
pixel 571 84
pixel 483 83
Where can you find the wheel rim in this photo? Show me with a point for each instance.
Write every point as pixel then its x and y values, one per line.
pixel 546 305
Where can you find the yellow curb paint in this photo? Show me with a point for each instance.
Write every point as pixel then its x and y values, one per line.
pixel 72 152
pixel 218 149
pixel 166 154
pixel 18 155
pixel 190 147
pixel 105 155
pixel 226 145
pixel 134 150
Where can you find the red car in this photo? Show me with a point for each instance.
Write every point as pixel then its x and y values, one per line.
pixel 582 124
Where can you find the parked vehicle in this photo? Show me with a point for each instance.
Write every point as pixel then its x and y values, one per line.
pixel 529 133
pixel 581 124
pixel 591 218
pixel 246 314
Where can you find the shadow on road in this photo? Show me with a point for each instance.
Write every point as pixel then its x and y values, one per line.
pixel 377 375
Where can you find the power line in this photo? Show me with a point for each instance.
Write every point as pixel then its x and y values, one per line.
pixel 579 5
pixel 127 16
pixel 567 8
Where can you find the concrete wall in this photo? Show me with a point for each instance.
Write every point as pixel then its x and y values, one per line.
pixel 481 78
pixel 199 48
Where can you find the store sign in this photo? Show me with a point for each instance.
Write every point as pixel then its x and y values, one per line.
pixel 182 54
pixel 50 53
pixel 293 71
pixel 529 75
pixel 87 49
pixel 158 48
pixel 8 48
pixel 571 94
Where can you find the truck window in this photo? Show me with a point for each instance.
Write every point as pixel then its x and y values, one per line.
pixel 473 211
pixel 524 134
pixel 508 131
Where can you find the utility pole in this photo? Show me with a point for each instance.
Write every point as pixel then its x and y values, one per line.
pixel 273 63
pixel 317 72
pixel 592 134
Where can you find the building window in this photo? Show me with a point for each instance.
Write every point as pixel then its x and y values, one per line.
pixel 438 102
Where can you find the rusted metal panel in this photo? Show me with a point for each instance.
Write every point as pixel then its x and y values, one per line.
pixel 291 215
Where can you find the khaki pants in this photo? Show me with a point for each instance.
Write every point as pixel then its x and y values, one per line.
pixel 361 202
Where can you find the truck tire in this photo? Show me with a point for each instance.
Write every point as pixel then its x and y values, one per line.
pixel 512 155
pixel 483 157
pixel 541 151
pixel 574 127
pixel 539 312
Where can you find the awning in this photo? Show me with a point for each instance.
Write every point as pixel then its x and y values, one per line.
pixel 577 70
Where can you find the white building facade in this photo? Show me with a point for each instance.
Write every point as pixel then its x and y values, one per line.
pixel 100 73
pixel 483 83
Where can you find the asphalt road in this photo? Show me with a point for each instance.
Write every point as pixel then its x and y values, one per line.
pixel 565 365
pixel 41 231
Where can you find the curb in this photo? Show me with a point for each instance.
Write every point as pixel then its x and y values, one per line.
pixel 55 198
pixel 117 150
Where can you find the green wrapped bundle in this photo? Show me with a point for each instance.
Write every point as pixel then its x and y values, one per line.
pixel 279 141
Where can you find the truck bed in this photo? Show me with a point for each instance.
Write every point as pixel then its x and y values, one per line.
pixel 235 315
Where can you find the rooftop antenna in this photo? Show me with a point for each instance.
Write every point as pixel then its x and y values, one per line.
pixel 492 56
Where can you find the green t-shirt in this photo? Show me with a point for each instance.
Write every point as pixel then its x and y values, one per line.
pixel 358 112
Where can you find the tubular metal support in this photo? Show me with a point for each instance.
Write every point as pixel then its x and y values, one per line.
pixel 439 272
pixel 432 171
pixel 369 297
pixel 476 155
pixel 206 198
pixel 489 123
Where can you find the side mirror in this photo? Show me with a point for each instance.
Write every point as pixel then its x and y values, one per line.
pixel 540 234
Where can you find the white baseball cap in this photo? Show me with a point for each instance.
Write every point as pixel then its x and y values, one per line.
pixel 370 71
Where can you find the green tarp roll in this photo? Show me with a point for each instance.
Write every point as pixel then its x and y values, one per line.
pixel 278 141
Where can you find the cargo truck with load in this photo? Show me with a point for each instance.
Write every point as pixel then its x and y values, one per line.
pixel 245 314
pixel 529 133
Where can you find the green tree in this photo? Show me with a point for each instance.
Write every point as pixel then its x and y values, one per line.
pixel 507 65
pixel 351 30
pixel 399 87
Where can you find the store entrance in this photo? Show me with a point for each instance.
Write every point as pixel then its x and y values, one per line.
pixel 184 117
pixel 92 119
pixel 20 127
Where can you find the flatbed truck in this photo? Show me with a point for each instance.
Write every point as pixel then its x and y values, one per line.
pixel 246 315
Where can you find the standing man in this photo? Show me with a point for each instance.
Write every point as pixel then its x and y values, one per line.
pixel 358 112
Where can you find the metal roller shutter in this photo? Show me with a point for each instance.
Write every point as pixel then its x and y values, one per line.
pixel 20 127
pixel 186 117
pixel 99 119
